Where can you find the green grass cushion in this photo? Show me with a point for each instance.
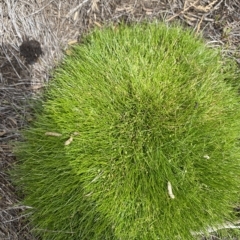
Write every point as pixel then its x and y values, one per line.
pixel 137 139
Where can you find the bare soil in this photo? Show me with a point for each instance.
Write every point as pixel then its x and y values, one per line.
pixel 57 24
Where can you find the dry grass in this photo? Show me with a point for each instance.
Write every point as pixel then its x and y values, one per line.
pixel 59 23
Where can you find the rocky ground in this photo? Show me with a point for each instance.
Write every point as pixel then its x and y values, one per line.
pixel 57 24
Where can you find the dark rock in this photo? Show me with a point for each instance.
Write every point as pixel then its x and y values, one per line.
pixel 31 51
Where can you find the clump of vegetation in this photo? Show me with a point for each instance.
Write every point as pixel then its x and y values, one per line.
pixel 137 138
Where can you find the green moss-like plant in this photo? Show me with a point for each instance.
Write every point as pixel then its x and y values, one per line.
pixel 137 139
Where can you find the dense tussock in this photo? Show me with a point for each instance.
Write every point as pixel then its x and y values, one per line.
pixel 137 139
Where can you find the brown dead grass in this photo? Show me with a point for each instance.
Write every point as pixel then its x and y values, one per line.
pixel 56 24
